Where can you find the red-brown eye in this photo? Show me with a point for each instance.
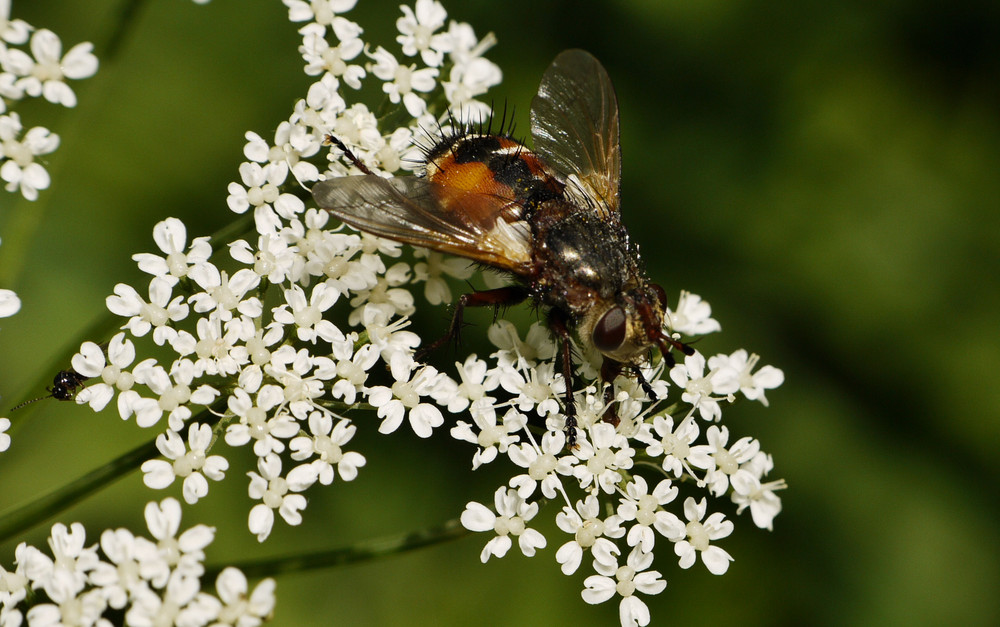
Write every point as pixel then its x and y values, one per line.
pixel 609 333
pixel 660 294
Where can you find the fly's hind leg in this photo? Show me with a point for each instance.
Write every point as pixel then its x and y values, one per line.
pixel 499 297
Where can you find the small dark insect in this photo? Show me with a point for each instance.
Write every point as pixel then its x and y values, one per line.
pixel 549 217
pixel 65 385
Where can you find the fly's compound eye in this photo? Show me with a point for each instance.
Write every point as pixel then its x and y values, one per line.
pixel 609 333
pixel 660 294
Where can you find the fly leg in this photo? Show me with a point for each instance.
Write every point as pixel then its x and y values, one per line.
pixel 558 323
pixel 611 369
pixel 499 297
pixel 644 384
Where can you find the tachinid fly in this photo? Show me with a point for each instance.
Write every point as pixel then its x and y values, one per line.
pixel 549 216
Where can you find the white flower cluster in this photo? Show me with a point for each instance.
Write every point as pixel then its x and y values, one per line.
pixel 611 511
pixel 149 581
pixel 274 345
pixel 41 70
pixel 258 359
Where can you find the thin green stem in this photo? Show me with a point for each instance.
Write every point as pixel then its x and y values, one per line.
pixel 27 516
pixel 232 231
pixel 364 551
pixel 127 15
pixel 44 507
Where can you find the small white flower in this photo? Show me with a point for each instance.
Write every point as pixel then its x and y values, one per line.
pixel 293 143
pixel 121 577
pixel 19 168
pixel 333 61
pixel 467 80
pixel 192 463
pixel 539 344
pixel 401 81
pixel 218 345
pixel 357 127
pixel 327 442
pixel 91 362
pixel 260 421
pixel 70 559
pixel 673 444
pixel 434 269
pixel 403 399
pixel 537 387
pixel 701 389
pixel 513 513
pixel 44 75
pixel 70 604
pixel 602 456
pixel 277 493
pixel 625 581
pixel 170 236
pixel 322 12
pixel 173 390
pixel 4 436
pixel 476 380
pixel 169 553
pixel 240 609
pixel 492 437
pixel 749 491
pixel 10 304
pixel 693 316
pixel 224 294
pixel 302 376
pixel 12 31
pixel 157 314
pixel 695 536
pixel 590 532
pixel 721 462
pixel 388 296
pixel 272 259
pixel 545 463
pixel 645 508
pixel 307 316
pixel 751 384
pixel 182 600
pixel 417 34
pixel 336 259
pixel 263 193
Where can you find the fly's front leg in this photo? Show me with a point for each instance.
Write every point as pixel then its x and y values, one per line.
pixel 644 384
pixel 609 370
pixel 558 323
pixel 499 297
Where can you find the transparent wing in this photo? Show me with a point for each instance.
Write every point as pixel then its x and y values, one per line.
pixel 415 211
pixel 574 125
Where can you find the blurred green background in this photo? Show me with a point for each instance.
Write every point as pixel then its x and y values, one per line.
pixel 825 174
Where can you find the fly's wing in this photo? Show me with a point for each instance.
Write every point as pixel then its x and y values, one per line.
pixel 413 210
pixel 574 125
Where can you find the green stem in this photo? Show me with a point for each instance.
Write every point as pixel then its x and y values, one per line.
pixel 232 231
pixel 366 550
pixel 127 15
pixel 44 507
pixel 27 516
